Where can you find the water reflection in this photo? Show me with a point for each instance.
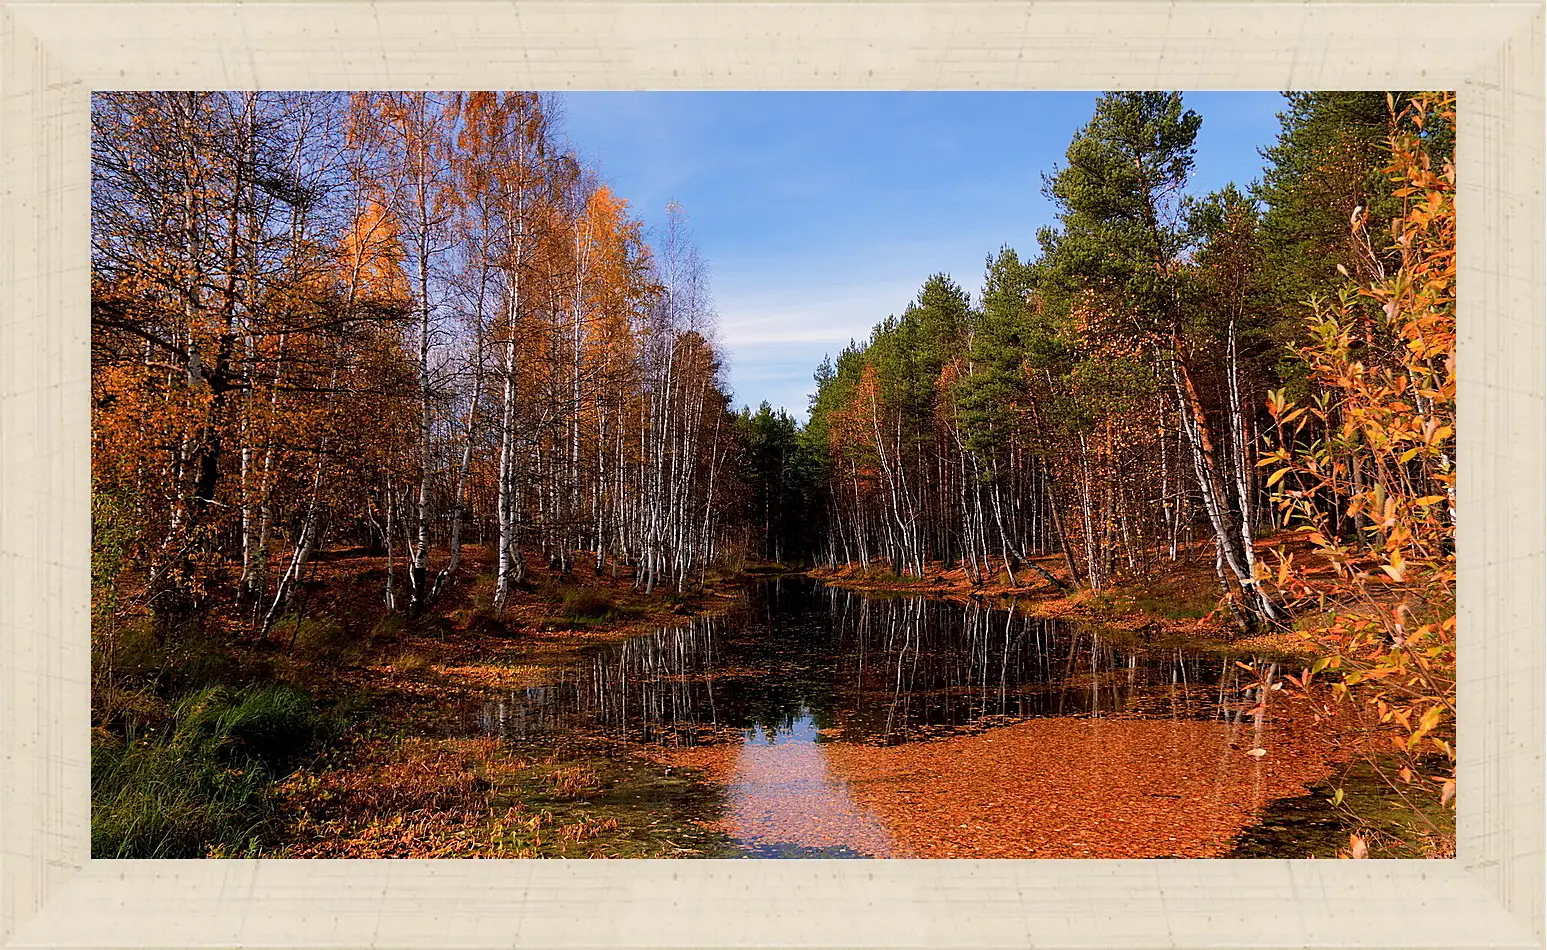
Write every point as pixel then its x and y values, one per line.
pixel 808 660
pixel 784 800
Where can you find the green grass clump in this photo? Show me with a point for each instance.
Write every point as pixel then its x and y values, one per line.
pixel 320 638
pixel 275 725
pixel 201 780
pixel 487 619
pixel 411 662
pixel 389 627
pixel 1183 605
pixel 584 603
pixel 891 577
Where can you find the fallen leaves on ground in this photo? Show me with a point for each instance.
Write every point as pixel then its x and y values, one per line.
pixel 421 798
pixel 487 676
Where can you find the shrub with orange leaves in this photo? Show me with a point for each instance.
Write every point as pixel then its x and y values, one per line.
pixel 1366 467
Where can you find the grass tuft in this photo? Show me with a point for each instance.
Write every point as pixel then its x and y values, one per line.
pixel 319 638
pixel 411 662
pixel 584 603
pixel 389 627
pixel 201 781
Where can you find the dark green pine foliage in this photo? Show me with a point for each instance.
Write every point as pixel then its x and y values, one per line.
pixel 776 482
pixel 1328 160
pixel 1228 287
pixel 1120 206
pixel 910 351
pixel 1016 351
pixel 1119 262
pixel 1008 337
pixel 816 456
pixel 1330 157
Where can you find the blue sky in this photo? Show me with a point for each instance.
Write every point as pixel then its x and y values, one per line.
pixel 821 213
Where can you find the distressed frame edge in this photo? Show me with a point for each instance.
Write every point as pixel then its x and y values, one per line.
pixel 1508 84
pixel 47 88
pixel 32 88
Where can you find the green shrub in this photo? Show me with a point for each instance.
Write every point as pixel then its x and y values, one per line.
pixel 113 534
pixel 489 621
pixel 126 650
pixel 202 779
pixel 194 661
pixel 432 627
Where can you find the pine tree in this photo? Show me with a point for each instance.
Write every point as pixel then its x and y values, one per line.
pixel 1116 263
pixel 1328 203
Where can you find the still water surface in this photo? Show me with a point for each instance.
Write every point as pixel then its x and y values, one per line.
pixel 766 688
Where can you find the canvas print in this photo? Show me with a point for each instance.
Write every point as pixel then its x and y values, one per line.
pixel 770 475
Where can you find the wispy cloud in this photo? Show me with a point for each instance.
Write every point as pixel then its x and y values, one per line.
pixel 774 336
pixel 742 339
pixel 781 316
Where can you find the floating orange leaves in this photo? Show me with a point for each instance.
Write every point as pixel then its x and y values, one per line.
pixel 1072 788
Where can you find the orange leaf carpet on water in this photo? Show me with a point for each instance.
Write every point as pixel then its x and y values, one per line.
pixel 1078 788
pixel 1046 788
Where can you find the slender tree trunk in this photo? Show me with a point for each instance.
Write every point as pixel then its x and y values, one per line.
pixel 1227 533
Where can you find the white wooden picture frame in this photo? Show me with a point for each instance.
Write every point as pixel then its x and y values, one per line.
pixel 54 54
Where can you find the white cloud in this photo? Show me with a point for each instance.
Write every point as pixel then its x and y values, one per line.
pixel 778 321
pixel 740 339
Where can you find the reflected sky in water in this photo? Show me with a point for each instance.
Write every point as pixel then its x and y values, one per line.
pixel 785 801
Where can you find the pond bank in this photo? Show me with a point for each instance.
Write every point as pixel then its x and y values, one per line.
pixel 776 716
pixel 419 780
pixel 1177 600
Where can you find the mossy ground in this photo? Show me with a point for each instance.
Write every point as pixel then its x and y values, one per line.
pixel 588 803
pixel 420 797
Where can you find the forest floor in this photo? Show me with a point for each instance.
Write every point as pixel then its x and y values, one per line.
pixel 400 766
pixel 426 782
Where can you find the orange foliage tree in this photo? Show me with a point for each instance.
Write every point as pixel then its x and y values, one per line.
pixel 395 320
pixel 1367 469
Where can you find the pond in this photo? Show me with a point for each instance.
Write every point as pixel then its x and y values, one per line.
pixel 839 724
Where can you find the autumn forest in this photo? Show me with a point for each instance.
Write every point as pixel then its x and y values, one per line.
pixel 426 522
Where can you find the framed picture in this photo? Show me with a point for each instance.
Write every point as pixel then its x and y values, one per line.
pixel 386 441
